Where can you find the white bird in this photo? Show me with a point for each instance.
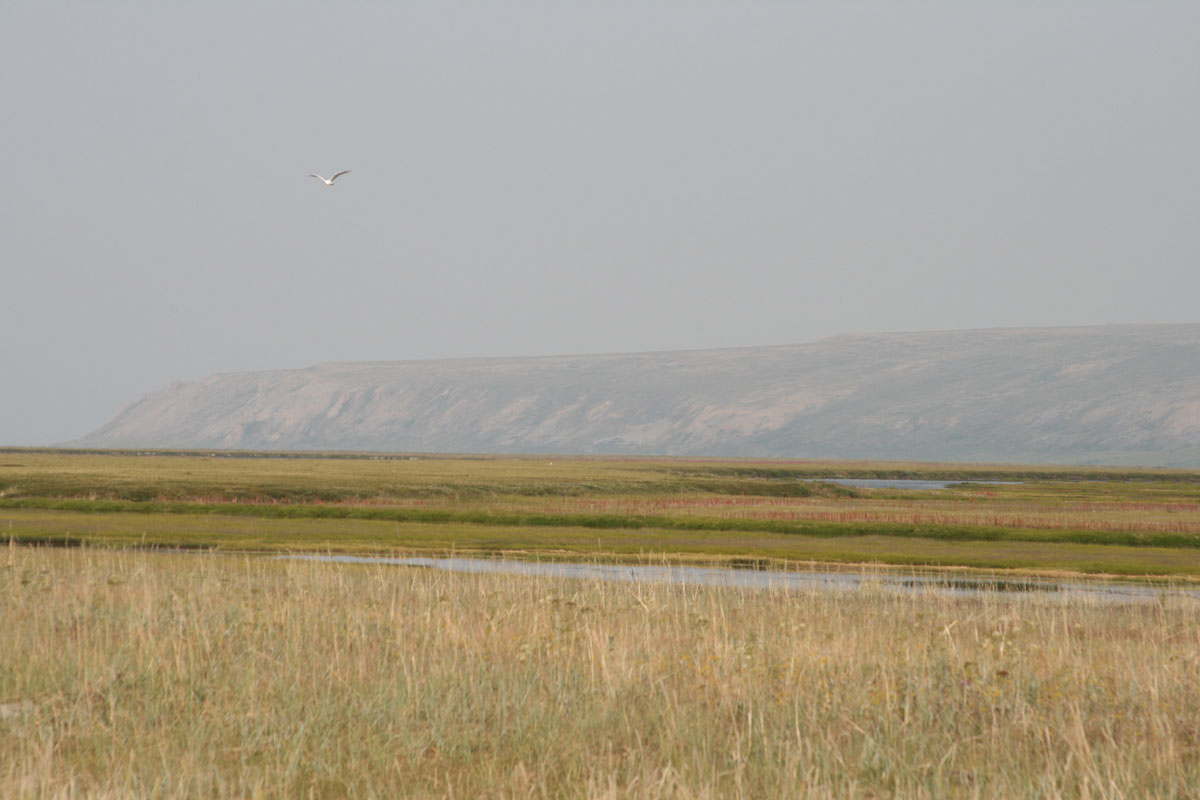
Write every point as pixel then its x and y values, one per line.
pixel 329 181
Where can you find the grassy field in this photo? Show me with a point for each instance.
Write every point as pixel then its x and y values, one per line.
pixel 128 673
pixel 129 669
pixel 1115 522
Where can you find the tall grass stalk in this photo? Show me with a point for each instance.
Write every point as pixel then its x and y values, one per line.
pixel 137 674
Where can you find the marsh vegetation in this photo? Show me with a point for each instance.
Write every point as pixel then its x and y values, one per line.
pixel 130 670
pixel 1130 522
pixel 126 673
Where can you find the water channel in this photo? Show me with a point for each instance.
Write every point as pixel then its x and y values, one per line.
pixel 903 483
pixel 946 585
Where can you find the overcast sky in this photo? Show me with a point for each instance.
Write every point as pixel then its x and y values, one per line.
pixel 539 178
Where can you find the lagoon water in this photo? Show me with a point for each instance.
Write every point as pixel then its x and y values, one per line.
pixel 901 483
pixel 778 579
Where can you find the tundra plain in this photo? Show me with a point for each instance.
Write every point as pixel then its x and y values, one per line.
pixel 132 669
pixel 1132 522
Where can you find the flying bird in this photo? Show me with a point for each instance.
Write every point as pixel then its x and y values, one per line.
pixel 329 181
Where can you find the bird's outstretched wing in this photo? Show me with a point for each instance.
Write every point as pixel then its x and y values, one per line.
pixel 336 174
pixel 318 177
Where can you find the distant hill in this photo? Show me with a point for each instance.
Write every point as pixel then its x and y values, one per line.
pixel 1127 394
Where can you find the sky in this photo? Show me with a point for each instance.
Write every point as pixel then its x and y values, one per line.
pixel 535 178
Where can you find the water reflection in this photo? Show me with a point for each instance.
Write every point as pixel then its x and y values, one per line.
pixel 773 579
pixel 903 483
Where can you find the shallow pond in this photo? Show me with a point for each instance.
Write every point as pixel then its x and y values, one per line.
pixel 778 579
pixel 902 483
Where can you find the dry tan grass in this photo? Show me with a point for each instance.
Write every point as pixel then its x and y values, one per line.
pixel 981 509
pixel 576 486
pixel 134 674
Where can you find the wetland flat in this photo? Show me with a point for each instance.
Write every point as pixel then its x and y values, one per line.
pixel 128 673
pixel 941 642
pixel 1126 522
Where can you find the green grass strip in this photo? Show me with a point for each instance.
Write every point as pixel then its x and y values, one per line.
pixel 818 529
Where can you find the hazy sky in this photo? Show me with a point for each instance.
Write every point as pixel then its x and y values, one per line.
pixel 537 178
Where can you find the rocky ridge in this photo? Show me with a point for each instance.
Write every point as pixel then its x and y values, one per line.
pixel 1122 394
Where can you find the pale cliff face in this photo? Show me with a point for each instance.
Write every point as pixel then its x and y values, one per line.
pixel 1116 394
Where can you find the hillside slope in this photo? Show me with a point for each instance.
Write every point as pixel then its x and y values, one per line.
pixel 1113 394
